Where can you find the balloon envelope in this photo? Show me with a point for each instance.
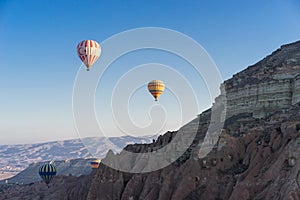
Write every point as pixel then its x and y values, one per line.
pixel 88 52
pixel 156 88
pixel 95 164
pixel 47 172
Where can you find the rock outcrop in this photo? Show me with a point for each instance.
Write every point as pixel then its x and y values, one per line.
pixel 270 85
pixel 258 161
pixel 255 157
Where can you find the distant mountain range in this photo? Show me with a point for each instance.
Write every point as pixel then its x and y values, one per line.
pixel 68 167
pixel 15 158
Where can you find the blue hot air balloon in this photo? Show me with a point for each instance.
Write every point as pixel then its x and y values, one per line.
pixel 47 172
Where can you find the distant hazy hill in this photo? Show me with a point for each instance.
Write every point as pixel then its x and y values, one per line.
pixel 15 158
pixel 74 167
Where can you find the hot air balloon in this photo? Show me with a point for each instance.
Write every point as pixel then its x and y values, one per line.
pixel 88 52
pixel 95 164
pixel 47 172
pixel 156 88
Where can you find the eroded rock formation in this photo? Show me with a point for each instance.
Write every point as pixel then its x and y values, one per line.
pixel 270 85
pixel 255 157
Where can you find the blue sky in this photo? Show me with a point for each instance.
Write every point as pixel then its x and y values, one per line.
pixel 39 61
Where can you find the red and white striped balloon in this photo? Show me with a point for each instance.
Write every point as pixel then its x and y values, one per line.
pixel 88 52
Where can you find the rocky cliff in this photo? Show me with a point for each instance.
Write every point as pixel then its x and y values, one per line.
pixel 256 156
pixel 270 85
pixel 253 159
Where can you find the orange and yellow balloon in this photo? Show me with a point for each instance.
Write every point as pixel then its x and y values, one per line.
pixel 156 88
pixel 88 52
pixel 95 163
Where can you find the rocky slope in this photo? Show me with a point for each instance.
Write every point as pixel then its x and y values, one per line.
pixel 256 156
pixel 254 159
pixel 61 187
pixel 270 85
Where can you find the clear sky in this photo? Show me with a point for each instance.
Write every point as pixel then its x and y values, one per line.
pixel 39 62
